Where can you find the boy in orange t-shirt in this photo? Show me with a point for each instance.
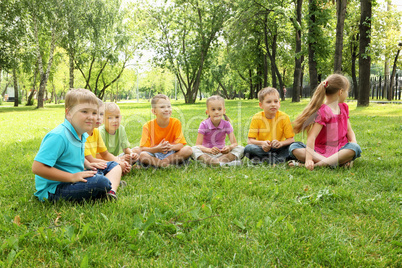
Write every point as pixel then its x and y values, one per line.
pixel 162 141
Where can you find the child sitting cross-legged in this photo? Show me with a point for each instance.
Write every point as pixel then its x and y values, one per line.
pixel 270 131
pixel 95 146
pixel 331 140
pixel 162 141
pixel 210 145
pixel 115 137
pixel 60 165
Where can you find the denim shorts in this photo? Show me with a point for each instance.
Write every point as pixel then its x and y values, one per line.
pixel 350 145
pixel 161 156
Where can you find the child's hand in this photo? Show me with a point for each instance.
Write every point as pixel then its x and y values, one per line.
pixel 215 150
pixel 225 150
pixel 125 166
pixel 309 164
pixel 80 176
pixel 266 146
pixel 134 157
pixel 276 144
pixel 95 166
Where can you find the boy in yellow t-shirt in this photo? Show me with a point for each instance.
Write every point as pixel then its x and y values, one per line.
pixel 95 146
pixel 162 141
pixel 270 132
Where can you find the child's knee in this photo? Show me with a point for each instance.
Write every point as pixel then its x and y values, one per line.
pixel 186 151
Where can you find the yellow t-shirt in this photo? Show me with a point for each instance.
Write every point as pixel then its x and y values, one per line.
pixel 153 134
pixel 94 144
pixel 278 128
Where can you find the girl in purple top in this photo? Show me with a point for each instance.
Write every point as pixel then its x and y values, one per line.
pixel 210 145
pixel 331 140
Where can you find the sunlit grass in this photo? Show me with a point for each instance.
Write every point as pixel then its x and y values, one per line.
pixel 253 216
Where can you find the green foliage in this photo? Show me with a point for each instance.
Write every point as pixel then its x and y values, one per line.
pixel 250 216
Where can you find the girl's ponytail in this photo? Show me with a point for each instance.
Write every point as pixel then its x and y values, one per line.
pixel 331 85
pixel 226 117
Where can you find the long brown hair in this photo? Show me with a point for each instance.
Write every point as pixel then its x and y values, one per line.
pixel 219 98
pixel 331 85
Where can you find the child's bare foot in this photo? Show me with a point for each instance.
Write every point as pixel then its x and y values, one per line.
pixel 348 165
pixel 294 163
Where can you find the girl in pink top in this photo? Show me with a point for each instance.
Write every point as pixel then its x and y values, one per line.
pixel 210 145
pixel 330 137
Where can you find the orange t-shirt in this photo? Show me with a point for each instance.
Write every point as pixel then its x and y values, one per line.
pixel 153 134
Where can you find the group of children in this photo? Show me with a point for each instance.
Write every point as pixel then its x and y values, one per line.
pixel 82 159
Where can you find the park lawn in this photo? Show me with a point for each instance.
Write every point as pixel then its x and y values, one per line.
pixel 196 216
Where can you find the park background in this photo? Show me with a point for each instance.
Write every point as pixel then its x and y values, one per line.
pixel 252 216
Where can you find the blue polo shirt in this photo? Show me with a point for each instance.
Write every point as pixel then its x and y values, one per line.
pixel 61 148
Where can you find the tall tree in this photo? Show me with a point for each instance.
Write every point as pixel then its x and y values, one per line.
pixel 297 75
pixel 341 14
pixel 188 31
pixel 364 53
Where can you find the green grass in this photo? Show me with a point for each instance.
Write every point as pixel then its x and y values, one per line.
pixel 253 216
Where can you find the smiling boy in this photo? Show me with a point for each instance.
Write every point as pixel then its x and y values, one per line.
pixel 162 141
pixel 270 132
pixel 60 164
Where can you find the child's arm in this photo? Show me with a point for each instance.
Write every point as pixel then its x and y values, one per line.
pixel 54 174
pixel 278 144
pixel 162 147
pixel 233 144
pixel 198 143
pixel 351 134
pixel 311 136
pixel 265 145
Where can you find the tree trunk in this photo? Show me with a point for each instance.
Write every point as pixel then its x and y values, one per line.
pixel 391 85
pixel 311 47
pixel 341 14
pixel 355 39
pixel 71 61
pixel 364 57
pixel 15 88
pixel 298 58
pixel 251 95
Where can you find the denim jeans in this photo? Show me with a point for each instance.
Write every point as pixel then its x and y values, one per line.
pixel 273 156
pixel 96 187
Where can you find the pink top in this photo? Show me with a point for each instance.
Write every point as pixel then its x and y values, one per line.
pixel 214 136
pixel 333 135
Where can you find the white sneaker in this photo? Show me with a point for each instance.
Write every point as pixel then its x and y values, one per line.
pixel 232 164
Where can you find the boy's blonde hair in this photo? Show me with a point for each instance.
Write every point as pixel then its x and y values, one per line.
pixel 158 97
pixel 219 98
pixel 266 91
pixel 111 107
pixel 331 85
pixel 77 96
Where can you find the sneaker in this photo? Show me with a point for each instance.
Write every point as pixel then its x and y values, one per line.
pixel 111 195
pixel 232 163
pixel 122 184
pixel 256 161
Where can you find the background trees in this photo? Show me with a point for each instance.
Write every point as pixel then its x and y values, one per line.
pixel 233 48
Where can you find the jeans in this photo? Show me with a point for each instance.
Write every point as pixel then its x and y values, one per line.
pixel 273 156
pixel 96 187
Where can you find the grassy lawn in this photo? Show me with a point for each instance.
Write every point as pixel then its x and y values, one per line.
pixel 253 216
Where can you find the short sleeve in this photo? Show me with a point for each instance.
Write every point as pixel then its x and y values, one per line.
pixel 179 137
pixel 145 136
pixel 203 127
pixel 51 148
pixel 346 109
pixel 322 116
pixel 101 145
pixel 123 139
pixel 288 129
pixel 228 127
pixel 253 131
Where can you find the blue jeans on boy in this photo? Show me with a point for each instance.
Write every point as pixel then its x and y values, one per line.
pixel 273 156
pixel 96 187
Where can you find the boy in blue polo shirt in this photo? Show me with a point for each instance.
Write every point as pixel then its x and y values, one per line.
pixel 60 164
